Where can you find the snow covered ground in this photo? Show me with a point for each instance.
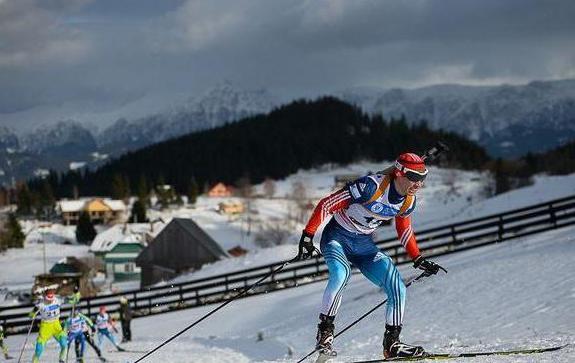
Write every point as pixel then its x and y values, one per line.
pixel 19 266
pixel 449 195
pixel 439 203
pixel 511 295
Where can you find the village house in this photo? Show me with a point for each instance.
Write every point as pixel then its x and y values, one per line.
pixel 231 207
pixel 118 246
pixel 180 247
pixel 100 210
pixel 120 261
pixel 220 190
pixel 66 274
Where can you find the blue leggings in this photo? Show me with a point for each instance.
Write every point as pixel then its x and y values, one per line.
pixel 342 248
pixel 105 333
pixel 80 338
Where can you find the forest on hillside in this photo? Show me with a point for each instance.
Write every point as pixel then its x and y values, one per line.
pixel 300 135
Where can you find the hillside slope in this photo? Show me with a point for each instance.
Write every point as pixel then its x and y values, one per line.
pixel 515 294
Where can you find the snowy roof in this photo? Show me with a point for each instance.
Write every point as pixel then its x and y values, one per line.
pixel 71 205
pixel 115 204
pixel 132 232
pixel 79 204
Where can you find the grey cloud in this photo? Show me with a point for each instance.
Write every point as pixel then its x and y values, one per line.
pixel 121 49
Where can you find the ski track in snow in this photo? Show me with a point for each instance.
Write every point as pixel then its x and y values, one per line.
pixel 516 294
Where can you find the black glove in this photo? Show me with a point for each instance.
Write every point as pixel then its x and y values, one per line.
pixel 306 247
pixel 430 267
pixel 93 329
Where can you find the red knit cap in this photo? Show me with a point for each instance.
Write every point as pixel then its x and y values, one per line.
pixel 410 165
pixel 411 161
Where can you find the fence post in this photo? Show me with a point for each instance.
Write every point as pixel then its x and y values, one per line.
pixel 89 306
pixel 500 229
pixel 181 294
pixel 135 300
pixel 273 277
pixel 226 282
pixel 553 217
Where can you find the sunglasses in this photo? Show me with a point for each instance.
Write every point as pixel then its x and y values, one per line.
pixel 415 176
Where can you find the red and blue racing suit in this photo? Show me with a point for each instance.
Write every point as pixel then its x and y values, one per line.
pixel 358 210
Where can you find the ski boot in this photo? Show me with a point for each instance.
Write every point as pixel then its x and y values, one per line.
pixel 324 338
pixel 393 348
pixel 120 349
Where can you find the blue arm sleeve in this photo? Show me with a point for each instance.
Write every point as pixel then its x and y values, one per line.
pixel 362 189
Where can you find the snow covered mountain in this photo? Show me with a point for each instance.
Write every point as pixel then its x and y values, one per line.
pixel 65 137
pixel 507 120
pixel 67 144
pixel 8 140
pixel 218 106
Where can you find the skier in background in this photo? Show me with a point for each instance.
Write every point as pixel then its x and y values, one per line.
pixel 125 319
pixel 88 334
pixel 358 210
pixel 49 310
pixel 103 323
pixel 76 325
pixel 3 345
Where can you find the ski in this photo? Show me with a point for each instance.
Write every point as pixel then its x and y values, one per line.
pixel 445 356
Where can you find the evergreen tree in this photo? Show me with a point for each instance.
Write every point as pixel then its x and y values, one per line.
pixel 12 236
pixel 47 195
pixel 502 183
pixel 85 231
pixel 24 200
pixel 166 195
pixel 193 191
pixel 138 214
pixel 120 189
pixel 143 191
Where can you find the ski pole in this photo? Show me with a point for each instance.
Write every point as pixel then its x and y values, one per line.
pixel 420 276
pixel 27 336
pixel 243 292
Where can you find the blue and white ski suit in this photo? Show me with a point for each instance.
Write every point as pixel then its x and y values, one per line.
pixel 358 210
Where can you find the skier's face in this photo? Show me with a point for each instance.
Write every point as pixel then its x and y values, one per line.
pixel 406 186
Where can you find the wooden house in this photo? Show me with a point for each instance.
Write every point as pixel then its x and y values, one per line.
pixel 181 246
pixel 67 274
pixel 100 210
pixel 231 207
pixel 120 261
pixel 220 190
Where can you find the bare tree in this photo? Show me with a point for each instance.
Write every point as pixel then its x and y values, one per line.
pixel 245 190
pixel 269 188
pixel 299 196
pixel 273 234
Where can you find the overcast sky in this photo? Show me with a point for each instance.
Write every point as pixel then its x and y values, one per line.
pixel 53 51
